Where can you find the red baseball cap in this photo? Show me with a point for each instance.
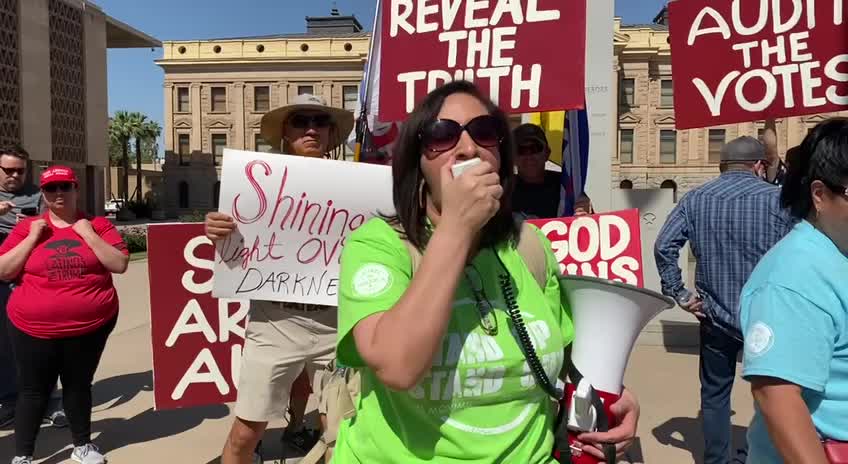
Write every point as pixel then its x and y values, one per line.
pixel 57 174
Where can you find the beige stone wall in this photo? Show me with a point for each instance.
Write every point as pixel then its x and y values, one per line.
pixel 641 53
pixel 282 66
pixel 152 181
pixel 36 95
pixel 35 78
pixel 240 122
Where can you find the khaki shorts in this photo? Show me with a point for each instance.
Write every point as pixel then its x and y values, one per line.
pixel 279 344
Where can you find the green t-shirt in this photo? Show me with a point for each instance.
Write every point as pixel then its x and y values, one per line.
pixel 479 402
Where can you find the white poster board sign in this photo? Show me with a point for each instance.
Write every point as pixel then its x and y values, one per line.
pixel 293 215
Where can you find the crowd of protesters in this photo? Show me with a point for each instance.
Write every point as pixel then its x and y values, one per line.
pixel 462 238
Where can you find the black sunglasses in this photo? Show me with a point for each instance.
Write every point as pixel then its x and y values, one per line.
pixel 303 121
pixel 63 187
pixel 10 171
pixel 533 147
pixel 443 134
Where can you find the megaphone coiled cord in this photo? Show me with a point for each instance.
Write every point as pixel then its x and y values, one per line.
pixel 510 298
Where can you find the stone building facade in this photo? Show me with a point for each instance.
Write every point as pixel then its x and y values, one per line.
pixel 53 98
pixel 216 92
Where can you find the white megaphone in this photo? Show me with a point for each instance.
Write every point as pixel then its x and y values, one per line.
pixel 608 317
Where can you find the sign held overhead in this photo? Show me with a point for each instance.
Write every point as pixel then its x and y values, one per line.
pixel 503 46
pixel 765 61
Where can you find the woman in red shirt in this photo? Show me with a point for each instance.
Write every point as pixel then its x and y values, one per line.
pixel 62 310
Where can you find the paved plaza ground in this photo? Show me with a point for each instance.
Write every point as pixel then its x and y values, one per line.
pixel 125 425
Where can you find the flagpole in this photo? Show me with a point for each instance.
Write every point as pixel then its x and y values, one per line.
pixel 362 125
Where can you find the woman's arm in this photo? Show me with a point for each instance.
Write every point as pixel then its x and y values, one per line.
pixel 788 420
pixel 113 259
pixel 399 344
pixel 12 261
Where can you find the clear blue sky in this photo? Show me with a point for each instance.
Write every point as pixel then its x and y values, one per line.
pixel 135 82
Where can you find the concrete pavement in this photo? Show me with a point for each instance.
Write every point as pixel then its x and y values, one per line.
pixel 125 425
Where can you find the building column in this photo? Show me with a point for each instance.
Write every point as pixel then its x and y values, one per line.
pixel 239 142
pixel 96 105
pixel 613 88
pixel 602 105
pixel 96 108
pixel 292 92
pixel 168 118
pixel 282 94
pixel 327 91
pixel 36 134
pixel 196 119
pixel 338 95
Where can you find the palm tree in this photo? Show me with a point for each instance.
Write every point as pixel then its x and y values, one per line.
pixel 121 130
pixel 149 130
pixel 137 122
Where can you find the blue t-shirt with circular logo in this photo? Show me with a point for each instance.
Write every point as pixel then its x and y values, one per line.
pixel 794 314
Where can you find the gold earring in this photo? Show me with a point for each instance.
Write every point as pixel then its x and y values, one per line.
pixel 421 198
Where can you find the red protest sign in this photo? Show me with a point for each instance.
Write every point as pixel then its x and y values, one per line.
pixel 528 55
pixel 608 246
pixel 197 339
pixel 737 61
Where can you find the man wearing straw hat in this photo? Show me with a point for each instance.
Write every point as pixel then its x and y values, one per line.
pixel 282 339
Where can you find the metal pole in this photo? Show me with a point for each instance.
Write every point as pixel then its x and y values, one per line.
pixel 600 101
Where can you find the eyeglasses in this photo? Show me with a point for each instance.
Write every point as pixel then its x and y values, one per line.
pixel 533 147
pixel 11 171
pixel 488 320
pixel 443 134
pixel 304 121
pixel 63 187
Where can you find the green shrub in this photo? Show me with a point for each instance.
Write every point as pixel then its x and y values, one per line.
pixel 135 242
pixel 194 216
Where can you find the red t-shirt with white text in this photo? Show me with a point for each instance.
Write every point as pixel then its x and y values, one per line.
pixel 63 290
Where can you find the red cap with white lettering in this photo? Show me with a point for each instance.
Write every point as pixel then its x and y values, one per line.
pixel 57 174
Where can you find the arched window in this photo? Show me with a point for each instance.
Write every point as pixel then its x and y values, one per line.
pixel 216 193
pixel 670 184
pixel 183 194
pixel 625 185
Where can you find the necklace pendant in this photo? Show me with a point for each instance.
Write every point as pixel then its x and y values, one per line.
pixel 490 324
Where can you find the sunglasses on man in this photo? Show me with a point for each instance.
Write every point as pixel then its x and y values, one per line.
pixel 305 121
pixel 530 148
pixel 63 187
pixel 12 171
pixel 443 134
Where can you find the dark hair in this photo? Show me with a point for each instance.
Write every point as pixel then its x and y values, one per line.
pixel 792 155
pixel 408 178
pixel 14 150
pixel 823 156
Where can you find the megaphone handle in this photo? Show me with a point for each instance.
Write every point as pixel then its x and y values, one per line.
pixel 603 419
pixel 603 426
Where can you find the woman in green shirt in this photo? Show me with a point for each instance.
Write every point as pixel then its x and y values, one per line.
pixel 443 377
